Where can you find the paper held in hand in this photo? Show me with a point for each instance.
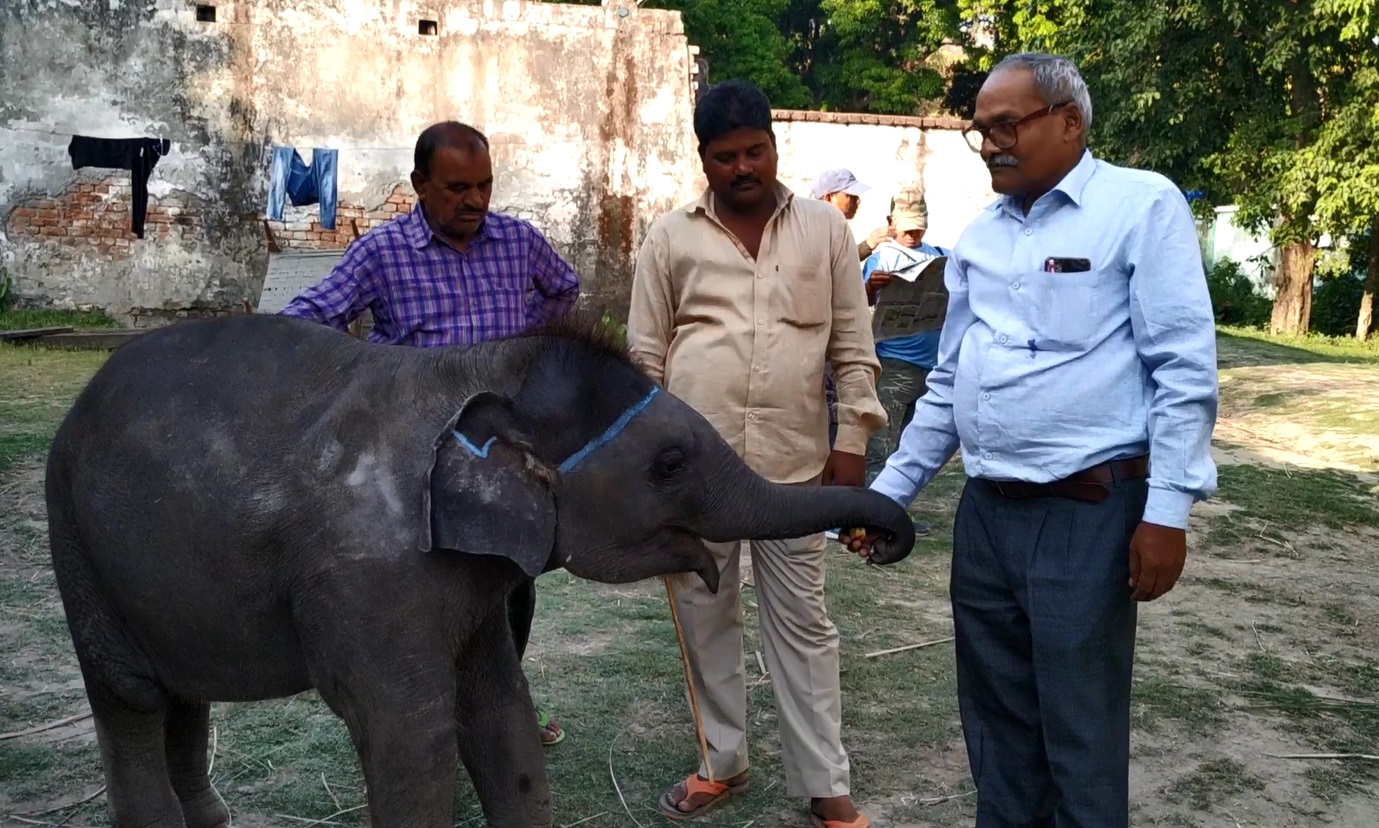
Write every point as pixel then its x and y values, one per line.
pixel 914 301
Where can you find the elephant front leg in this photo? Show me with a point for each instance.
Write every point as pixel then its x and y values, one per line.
pixel 498 738
pixel 391 681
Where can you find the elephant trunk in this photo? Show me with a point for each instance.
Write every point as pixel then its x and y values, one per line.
pixel 752 508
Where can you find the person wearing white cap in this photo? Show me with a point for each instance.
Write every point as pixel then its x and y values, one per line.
pixel 839 187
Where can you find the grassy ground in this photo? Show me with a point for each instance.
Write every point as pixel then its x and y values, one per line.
pixel 1267 648
pixel 16 320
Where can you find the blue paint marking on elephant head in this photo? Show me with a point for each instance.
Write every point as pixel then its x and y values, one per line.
pixel 473 449
pixel 589 448
pixel 606 437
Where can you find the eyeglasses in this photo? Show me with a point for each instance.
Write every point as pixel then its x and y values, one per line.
pixel 1003 135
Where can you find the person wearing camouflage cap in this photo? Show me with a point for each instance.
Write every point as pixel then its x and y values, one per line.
pixel 905 361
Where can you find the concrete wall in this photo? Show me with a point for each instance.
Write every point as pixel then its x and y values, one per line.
pixel 588 113
pixel 888 153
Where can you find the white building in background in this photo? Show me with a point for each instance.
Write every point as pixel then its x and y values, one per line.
pixel 1256 255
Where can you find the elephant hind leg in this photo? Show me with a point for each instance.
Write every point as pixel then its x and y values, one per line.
pixel 139 792
pixel 186 736
pixel 128 707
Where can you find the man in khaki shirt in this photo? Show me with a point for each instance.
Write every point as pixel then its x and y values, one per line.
pixel 739 301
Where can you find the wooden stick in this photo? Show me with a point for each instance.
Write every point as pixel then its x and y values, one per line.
pixel 44 727
pixel 689 680
pixel 909 647
pixel 1365 756
pixel 56 808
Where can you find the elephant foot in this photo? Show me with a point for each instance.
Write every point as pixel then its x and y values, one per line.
pixel 206 810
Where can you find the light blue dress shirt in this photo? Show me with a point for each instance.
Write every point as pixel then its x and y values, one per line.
pixel 1040 375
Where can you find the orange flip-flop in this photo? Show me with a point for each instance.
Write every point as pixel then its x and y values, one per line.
pixel 819 822
pixel 719 791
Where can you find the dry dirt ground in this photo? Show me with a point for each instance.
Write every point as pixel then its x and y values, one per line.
pixel 1267 651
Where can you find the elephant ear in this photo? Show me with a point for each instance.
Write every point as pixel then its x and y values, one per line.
pixel 485 493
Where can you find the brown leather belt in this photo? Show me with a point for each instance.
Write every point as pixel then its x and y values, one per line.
pixel 1089 485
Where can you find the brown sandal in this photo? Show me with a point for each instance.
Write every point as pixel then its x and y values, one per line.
pixel 696 785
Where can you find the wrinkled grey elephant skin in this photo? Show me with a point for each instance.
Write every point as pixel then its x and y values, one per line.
pixel 248 508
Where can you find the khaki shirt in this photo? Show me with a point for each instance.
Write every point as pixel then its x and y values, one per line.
pixel 744 341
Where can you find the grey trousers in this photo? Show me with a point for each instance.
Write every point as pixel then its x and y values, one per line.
pixel 900 386
pixel 1045 643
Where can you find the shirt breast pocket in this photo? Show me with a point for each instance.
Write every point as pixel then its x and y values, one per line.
pixel 1066 310
pixel 803 295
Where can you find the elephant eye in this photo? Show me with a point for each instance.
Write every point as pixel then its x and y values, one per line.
pixel 668 466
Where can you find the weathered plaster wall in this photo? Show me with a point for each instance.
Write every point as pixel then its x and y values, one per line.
pixel 888 153
pixel 588 113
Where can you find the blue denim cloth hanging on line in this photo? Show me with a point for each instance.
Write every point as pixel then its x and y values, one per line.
pixel 290 177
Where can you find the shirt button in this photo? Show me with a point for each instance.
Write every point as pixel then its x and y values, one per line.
pixel 986 396
pixel 761 321
pixel 1016 286
pixel 986 455
pixel 1029 232
pixel 1004 339
pixel 756 369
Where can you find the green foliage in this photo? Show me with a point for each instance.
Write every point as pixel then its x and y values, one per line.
pixel 740 39
pixel 1272 105
pixel 1336 302
pixel 6 297
pixel 1335 306
pixel 1234 300
pixel 841 55
pixel 611 324
pixel 873 55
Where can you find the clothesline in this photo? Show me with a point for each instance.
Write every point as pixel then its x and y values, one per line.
pixel 57 134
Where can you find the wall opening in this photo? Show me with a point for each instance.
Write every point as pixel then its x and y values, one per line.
pixel 428 27
pixel 205 13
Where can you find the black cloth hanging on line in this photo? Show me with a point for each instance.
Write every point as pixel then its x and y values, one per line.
pixel 137 155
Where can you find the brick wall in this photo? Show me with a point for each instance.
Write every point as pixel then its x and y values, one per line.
pixel 867 119
pixel 301 228
pixel 94 215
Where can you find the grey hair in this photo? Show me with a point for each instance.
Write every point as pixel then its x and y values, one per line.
pixel 1056 78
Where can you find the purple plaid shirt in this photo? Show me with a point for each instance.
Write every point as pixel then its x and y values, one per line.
pixel 425 293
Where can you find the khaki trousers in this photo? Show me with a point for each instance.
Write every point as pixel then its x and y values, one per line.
pixel 800 644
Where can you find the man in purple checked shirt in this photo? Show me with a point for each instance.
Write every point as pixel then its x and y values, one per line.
pixel 450 273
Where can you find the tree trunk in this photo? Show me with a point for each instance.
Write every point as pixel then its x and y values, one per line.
pixel 1366 319
pixel 1293 301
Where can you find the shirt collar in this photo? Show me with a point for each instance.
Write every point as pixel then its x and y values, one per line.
pixel 420 234
pixel 1071 185
pixel 705 203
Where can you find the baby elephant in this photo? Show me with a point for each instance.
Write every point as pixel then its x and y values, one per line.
pixel 249 508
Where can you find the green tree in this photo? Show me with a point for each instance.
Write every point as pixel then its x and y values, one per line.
pixel 740 39
pixel 1270 104
pixel 878 56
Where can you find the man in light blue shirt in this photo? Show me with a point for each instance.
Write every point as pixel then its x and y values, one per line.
pixel 1077 374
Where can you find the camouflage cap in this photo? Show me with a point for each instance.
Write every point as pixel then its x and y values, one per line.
pixel 909 210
